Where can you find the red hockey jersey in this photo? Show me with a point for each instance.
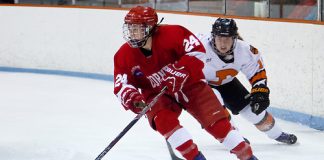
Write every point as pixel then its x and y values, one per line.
pixel 170 44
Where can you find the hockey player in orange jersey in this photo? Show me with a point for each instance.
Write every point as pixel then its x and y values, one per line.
pixel 156 56
pixel 227 55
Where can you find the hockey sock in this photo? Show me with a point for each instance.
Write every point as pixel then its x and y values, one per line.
pixel 269 126
pixel 168 125
pixel 263 122
pixel 231 138
pixel 242 151
pixel 188 150
pixel 182 141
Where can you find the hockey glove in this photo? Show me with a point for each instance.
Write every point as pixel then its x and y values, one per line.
pixel 175 77
pixel 132 99
pixel 259 99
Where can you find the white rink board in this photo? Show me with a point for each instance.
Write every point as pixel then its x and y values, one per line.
pixel 85 40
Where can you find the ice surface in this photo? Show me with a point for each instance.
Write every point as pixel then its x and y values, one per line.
pixel 47 117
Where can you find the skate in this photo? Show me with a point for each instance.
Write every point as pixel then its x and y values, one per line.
pixel 200 156
pixel 287 138
pixel 253 158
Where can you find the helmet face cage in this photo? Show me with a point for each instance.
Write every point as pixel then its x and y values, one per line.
pixel 225 28
pixel 136 35
pixel 214 47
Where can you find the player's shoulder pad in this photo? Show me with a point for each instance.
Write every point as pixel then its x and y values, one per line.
pixel 247 47
pixel 171 27
pixel 175 30
pixel 123 50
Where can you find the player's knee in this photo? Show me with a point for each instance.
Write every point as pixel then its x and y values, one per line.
pixel 227 114
pixel 166 121
pixel 250 116
pixel 220 129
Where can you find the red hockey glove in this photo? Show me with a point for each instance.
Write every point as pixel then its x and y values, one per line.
pixel 175 77
pixel 132 99
pixel 259 99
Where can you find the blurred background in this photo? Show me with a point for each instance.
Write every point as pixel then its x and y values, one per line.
pixel 287 9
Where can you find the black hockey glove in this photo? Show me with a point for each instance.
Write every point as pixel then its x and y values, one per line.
pixel 259 99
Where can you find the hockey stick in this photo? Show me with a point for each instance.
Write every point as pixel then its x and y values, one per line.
pixel 172 154
pixel 130 125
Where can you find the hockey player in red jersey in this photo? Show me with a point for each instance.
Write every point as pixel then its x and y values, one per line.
pixel 227 55
pixel 167 55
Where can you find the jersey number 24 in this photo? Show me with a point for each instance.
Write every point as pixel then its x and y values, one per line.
pixel 189 44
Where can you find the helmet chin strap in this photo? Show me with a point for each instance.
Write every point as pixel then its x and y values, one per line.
pixel 145 41
pixel 161 20
pixel 150 33
pixel 229 52
pixel 228 58
pixel 140 43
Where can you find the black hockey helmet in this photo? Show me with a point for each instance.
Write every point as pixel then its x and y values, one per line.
pixel 224 27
